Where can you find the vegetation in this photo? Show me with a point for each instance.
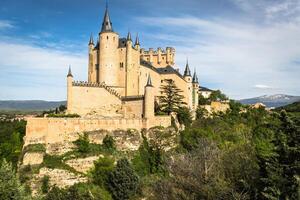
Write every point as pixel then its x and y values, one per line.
pixel 63 115
pixel 245 153
pixel 171 99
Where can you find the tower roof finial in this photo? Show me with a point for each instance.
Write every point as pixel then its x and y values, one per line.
pixel 195 78
pixel 149 82
pixel 91 39
pixel 137 41
pixel 69 72
pixel 106 24
pixel 187 71
pixel 129 36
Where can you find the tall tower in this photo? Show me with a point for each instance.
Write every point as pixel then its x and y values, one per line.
pixel 108 54
pixel 149 100
pixel 188 78
pixel 92 72
pixel 195 83
pixel 69 90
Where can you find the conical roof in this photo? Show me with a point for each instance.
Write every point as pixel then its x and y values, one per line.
pixel 69 72
pixel 149 82
pixel 187 71
pixel 106 24
pixel 195 78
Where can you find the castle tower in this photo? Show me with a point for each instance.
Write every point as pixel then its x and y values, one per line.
pixel 69 90
pixel 149 100
pixel 195 83
pixel 108 54
pixel 92 72
pixel 137 43
pixel 188 78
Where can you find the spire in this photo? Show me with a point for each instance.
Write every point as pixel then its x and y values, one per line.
pixel 137 41
pixel 70 72
pixel 129 36
pixel 106 24
pixel 149 82
pixel 91 40
pixel 187 71
pixel 195 78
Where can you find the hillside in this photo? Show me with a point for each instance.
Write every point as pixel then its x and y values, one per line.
pixel 26 105
pixel 276 100
pixel 294 107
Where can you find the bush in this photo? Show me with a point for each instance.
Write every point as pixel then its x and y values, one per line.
pixel 123 181
pixel 184 116
pixel 45 184
pixel 109 143
pixel 54 115
pixel 103 167
pixel 83 143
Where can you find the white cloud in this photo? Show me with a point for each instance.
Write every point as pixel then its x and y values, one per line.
pixel 260 86
pixel 32 72
pixel 5 24
pixel 234 55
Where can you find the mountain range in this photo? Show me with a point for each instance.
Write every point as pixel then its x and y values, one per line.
pixel 276 100
pixel 29 105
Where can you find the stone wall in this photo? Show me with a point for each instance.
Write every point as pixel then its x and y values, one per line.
pixel 60 130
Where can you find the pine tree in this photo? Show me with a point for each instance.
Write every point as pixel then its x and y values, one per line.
pixel 171 100
pixel 10 186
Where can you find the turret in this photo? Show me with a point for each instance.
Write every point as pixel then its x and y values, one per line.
pixel 188 78
pixel 92 74
pixel 129 40
pixel 108 54
pixel 69 90
pixel 195 83
pixel 149 99
pixel 137 43
pixel 187 73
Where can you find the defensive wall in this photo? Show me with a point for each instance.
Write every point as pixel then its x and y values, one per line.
pixel 56 130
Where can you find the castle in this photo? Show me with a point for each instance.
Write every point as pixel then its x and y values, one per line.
pixel 124 81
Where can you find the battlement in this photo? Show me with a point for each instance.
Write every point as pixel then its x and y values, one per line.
pixel 159 57
pixel 100 85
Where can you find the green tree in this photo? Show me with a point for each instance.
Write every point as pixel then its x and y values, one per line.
pixel 10 187
pixel 83 143
pixel 171 99
pixel 184 116
pixel 103 167
pixel 217 95
pixel 123 181
pixel 109 143
pixel 45 184
pixel 202 100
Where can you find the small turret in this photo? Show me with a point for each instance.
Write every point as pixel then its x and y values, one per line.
pixel 106 24
pixel 195 78
pixel 187 71
pixel 149 82
pixel 129 36
pixel 149 99
pixel 91 42
pixel 69 90
pixel 137 42
pixel 70 72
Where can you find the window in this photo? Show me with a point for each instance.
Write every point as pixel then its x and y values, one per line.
pixel 106 37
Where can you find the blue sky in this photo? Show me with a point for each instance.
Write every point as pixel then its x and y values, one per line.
pixel 245 48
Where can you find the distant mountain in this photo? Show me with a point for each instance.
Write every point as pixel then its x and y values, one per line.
pixel 32 105
pixel 276 100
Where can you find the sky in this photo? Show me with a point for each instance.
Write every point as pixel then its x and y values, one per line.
pixel 244 48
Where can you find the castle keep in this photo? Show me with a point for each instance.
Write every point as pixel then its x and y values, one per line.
pixel 123 83
pixel 124 80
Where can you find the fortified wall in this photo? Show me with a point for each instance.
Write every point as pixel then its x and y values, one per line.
pixel 159 57
pixel 59 130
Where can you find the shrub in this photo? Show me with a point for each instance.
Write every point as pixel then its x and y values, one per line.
pixel 109 143
pixel 103 167
pixel 45 184
pixel 184 116
pixel 123 181
pixel 83 143
pixel 54 115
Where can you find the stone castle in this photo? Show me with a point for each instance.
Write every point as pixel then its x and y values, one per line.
pixel 124 81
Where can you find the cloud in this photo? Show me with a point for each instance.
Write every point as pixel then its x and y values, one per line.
pixel 32 72
pixel 234 55
pixel 5 24
pixel 259 86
